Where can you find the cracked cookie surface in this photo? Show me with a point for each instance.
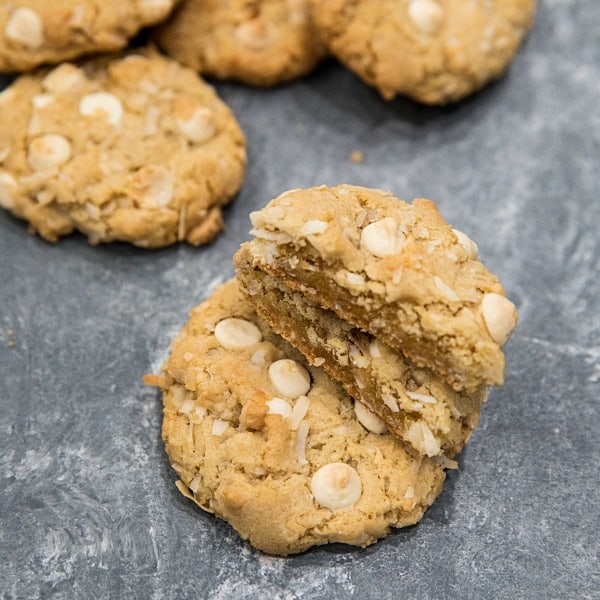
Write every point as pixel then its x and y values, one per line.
pixel 434 51
pixel 136 149
pixel 35 32
pixel 274 446
pixel 395 270
pixel 261 43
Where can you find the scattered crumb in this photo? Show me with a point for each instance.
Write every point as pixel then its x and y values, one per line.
pixel 10 342
pixel 356 157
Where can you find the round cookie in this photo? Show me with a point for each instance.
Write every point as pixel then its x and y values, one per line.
pixel 136 149
pixel 260 43
pixel 435 51
pixel 34 32
pixel 273 446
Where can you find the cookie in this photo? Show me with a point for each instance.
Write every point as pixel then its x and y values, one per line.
pixel 397 271
pixel 412 402
pixel 35 32
pixel 260 43
pixel 136 149
pixel 434 51
pixel 274 446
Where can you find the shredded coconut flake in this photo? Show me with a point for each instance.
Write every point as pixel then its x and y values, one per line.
pixel 299 412
pixel 421 397
pixel 354 279
pixel 445 462
pixel 279 237
pixel 301 436
pixel 391 403
pixel 318 361
pixel 410 492
pixel 195 483
pixel 445 289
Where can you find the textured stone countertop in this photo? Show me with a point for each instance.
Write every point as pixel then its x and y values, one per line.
pixel 88 504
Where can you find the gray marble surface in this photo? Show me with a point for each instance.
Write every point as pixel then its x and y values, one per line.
pixel 88 505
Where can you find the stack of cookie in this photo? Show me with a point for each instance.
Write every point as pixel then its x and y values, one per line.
pixel 321 397
pixel 391 330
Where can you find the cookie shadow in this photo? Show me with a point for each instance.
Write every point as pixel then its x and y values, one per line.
pixel 352 101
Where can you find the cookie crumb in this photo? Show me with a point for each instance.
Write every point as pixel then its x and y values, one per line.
pixel 356 157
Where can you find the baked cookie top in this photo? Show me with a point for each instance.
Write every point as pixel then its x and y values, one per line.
pixel 274 446
pixel 34 32
pixel 435 51
pixel 261 43
pixel 395 270
pixel 137 149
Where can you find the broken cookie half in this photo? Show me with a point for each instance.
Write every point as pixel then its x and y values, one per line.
pixel 389 299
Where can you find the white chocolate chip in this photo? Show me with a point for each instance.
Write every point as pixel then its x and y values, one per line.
pixel 25 26
pixel 336 485
pixel 279 406
pixel 48 151
pixel 427 15
pixel 445 289
pixel 313 227
pixel 8 186
pixel 64 78
pixel 199 127
pixel 368 419
pixel 467 243
pixel 255 34
pixel 500 316
pixel 289 378
pixel 237 334
pixel 382 238
pixel 102 105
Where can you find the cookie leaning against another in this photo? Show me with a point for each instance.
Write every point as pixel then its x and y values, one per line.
pixel 434 51
pixel 412 402
pixel 136 149
pixel 397 271
pixel 260 43
pixel 275 448
pixel 35 32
